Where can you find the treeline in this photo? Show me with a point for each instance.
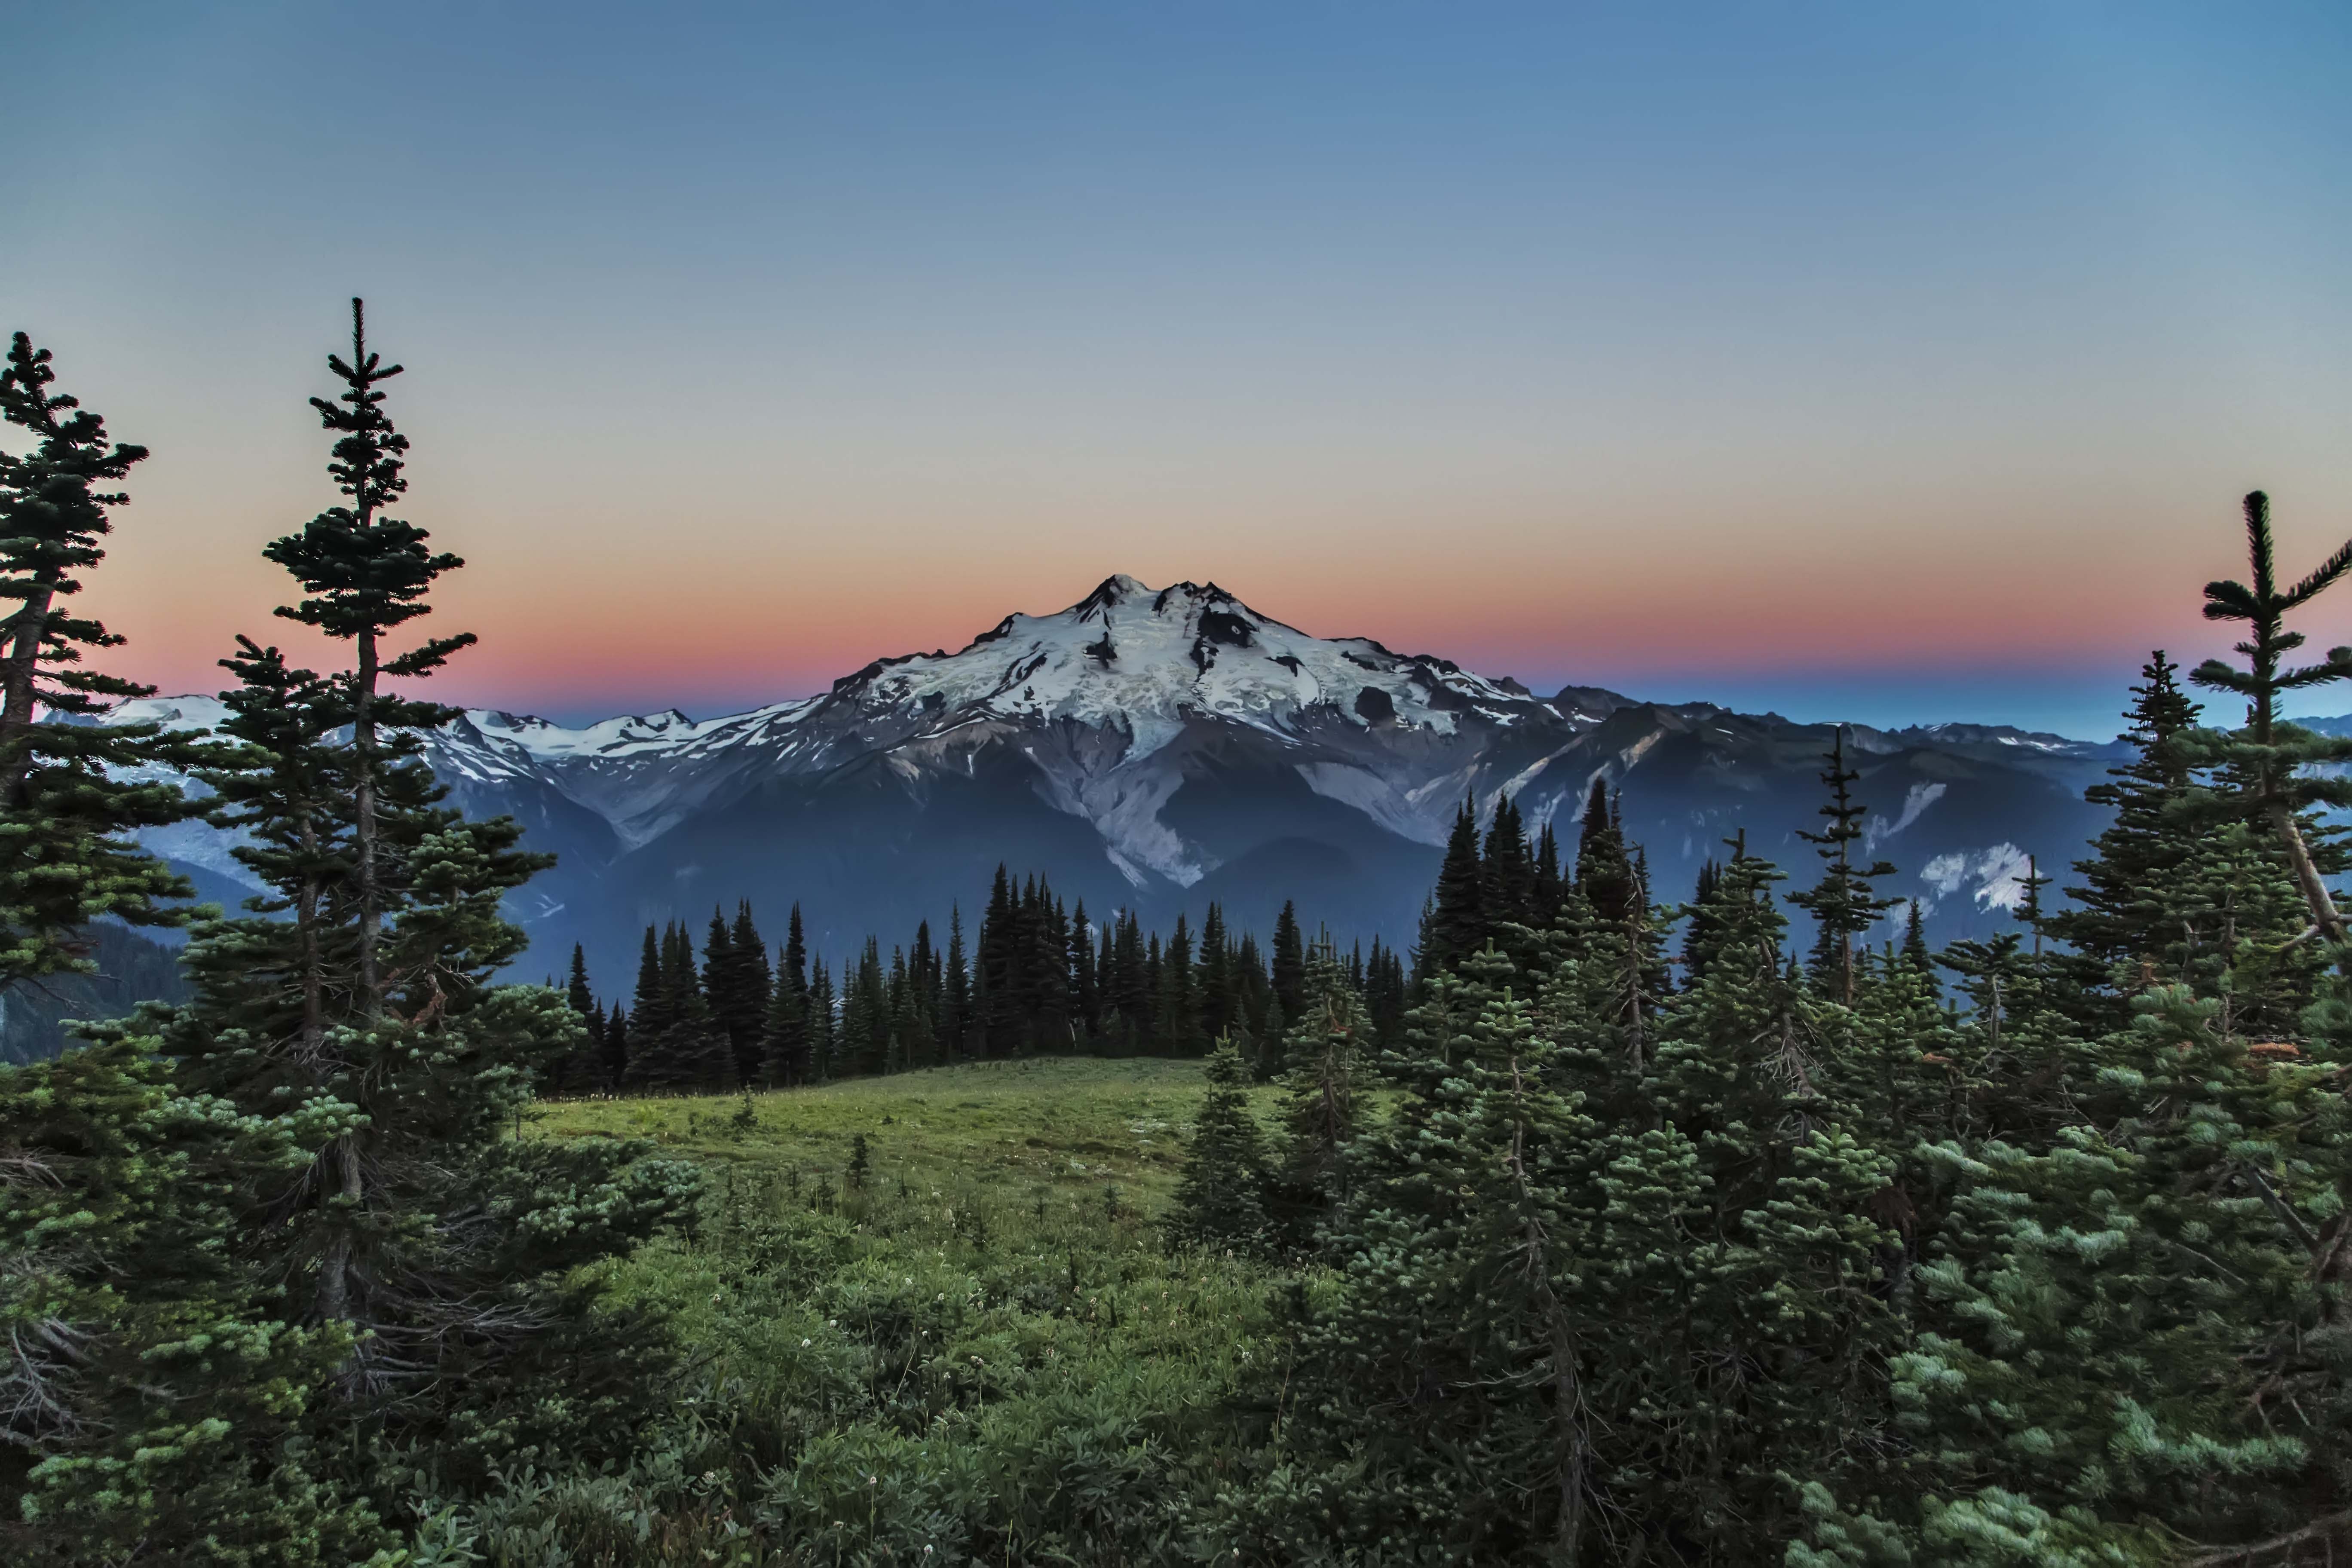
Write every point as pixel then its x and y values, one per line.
pixel 1041 979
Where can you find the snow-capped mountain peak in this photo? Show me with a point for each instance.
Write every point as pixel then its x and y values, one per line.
pixel 1142 660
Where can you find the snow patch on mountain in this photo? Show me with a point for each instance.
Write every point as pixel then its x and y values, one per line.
pixel 1995 876
pixel 1918 798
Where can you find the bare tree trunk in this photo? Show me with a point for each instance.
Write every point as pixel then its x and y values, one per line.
pixel 370 913
pixel 2306 873
pixel 18 700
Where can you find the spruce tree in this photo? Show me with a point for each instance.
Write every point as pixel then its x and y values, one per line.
pixel 1458 923
pixel 616 1048
pixel 2280 770
pixel 1844 904
pixel 955 1004
pixel 784 1034
pixel 1220 1196
pixel 581 1070
pixel 1288 968
pixel 153 1408
pixel 1323 1051
pixel 448 1249
pixel 1604 872
pixel 823 1032
pixel 71 794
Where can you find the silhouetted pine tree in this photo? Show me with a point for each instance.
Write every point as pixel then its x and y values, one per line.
pixel 784 1034
pixel 955 1008
pixel 1288 971
pixel 1458 922
pixel 451 1250
pixel 73 792
pixel 824 1027
pixel 1845 903
pixel 1604 872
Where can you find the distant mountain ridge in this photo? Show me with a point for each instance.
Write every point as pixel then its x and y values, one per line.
pixel 1160 748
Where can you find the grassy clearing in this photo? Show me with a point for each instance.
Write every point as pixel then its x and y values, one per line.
pixel 981 1347
pixel 1057 1125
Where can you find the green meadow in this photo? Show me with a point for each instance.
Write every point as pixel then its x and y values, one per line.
pixel 973 1340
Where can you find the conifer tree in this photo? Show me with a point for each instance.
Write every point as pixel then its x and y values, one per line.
pixel 447 1248
pixel 1604 872
pixel 153 1408
pixel 616 1048
pixel 1458 921
pixel 955 1007
pixel 2126 913
pixel 1180 999
pixel 824 1027
pixel 581 1070
pixel 370 573
pixel 784 1034
pixel 735 978
pixel 70 795
pixel 1289 963
pixel 1845 903
pixel 1320 1100
pixel 2281 770
pixel 650 1015
pixel 1221 1197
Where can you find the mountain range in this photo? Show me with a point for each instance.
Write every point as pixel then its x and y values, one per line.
pixel 1159 749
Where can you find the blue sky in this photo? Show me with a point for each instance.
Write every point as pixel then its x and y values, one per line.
pixel 1883 363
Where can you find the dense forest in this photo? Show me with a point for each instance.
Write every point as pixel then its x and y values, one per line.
pixel 1592 1230
pixel 1040 979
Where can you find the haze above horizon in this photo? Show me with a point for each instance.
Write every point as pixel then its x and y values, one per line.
pixel 1891 366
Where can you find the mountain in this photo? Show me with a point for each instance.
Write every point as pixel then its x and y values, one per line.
pixel 1159 749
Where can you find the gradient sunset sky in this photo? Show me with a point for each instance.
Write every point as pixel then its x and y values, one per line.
pixel 1891 363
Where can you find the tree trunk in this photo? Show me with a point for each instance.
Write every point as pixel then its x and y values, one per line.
pixel 2306 873
pixel 370 915
pixel 17 697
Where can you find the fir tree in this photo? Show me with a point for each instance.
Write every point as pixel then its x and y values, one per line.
pixel 1458 923
pixel 617 1047
pixel 1288 970
pixel 153 1407
pixel 784 1034
pixel 1844 904
pixel 581 1070
pixel 2281 770
pixel 1221 1197
pixel 1604 872
pixel 71 794
pixel 1320 1103
pixel 2124 918
pixel 955 1006
pixel 823 1029
pixel 447 1248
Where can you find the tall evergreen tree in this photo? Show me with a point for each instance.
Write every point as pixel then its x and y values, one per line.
pixel 1458 923
pixel 784 1034
pixel 72 793
pixel 1288 970
pixel 824 1027
pixel 1845 903
pixel 1604 872
pixel 449 1250
pixel 955 1006
pixel 2281 770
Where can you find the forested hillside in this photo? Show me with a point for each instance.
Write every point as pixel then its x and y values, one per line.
pixel 1598 1228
